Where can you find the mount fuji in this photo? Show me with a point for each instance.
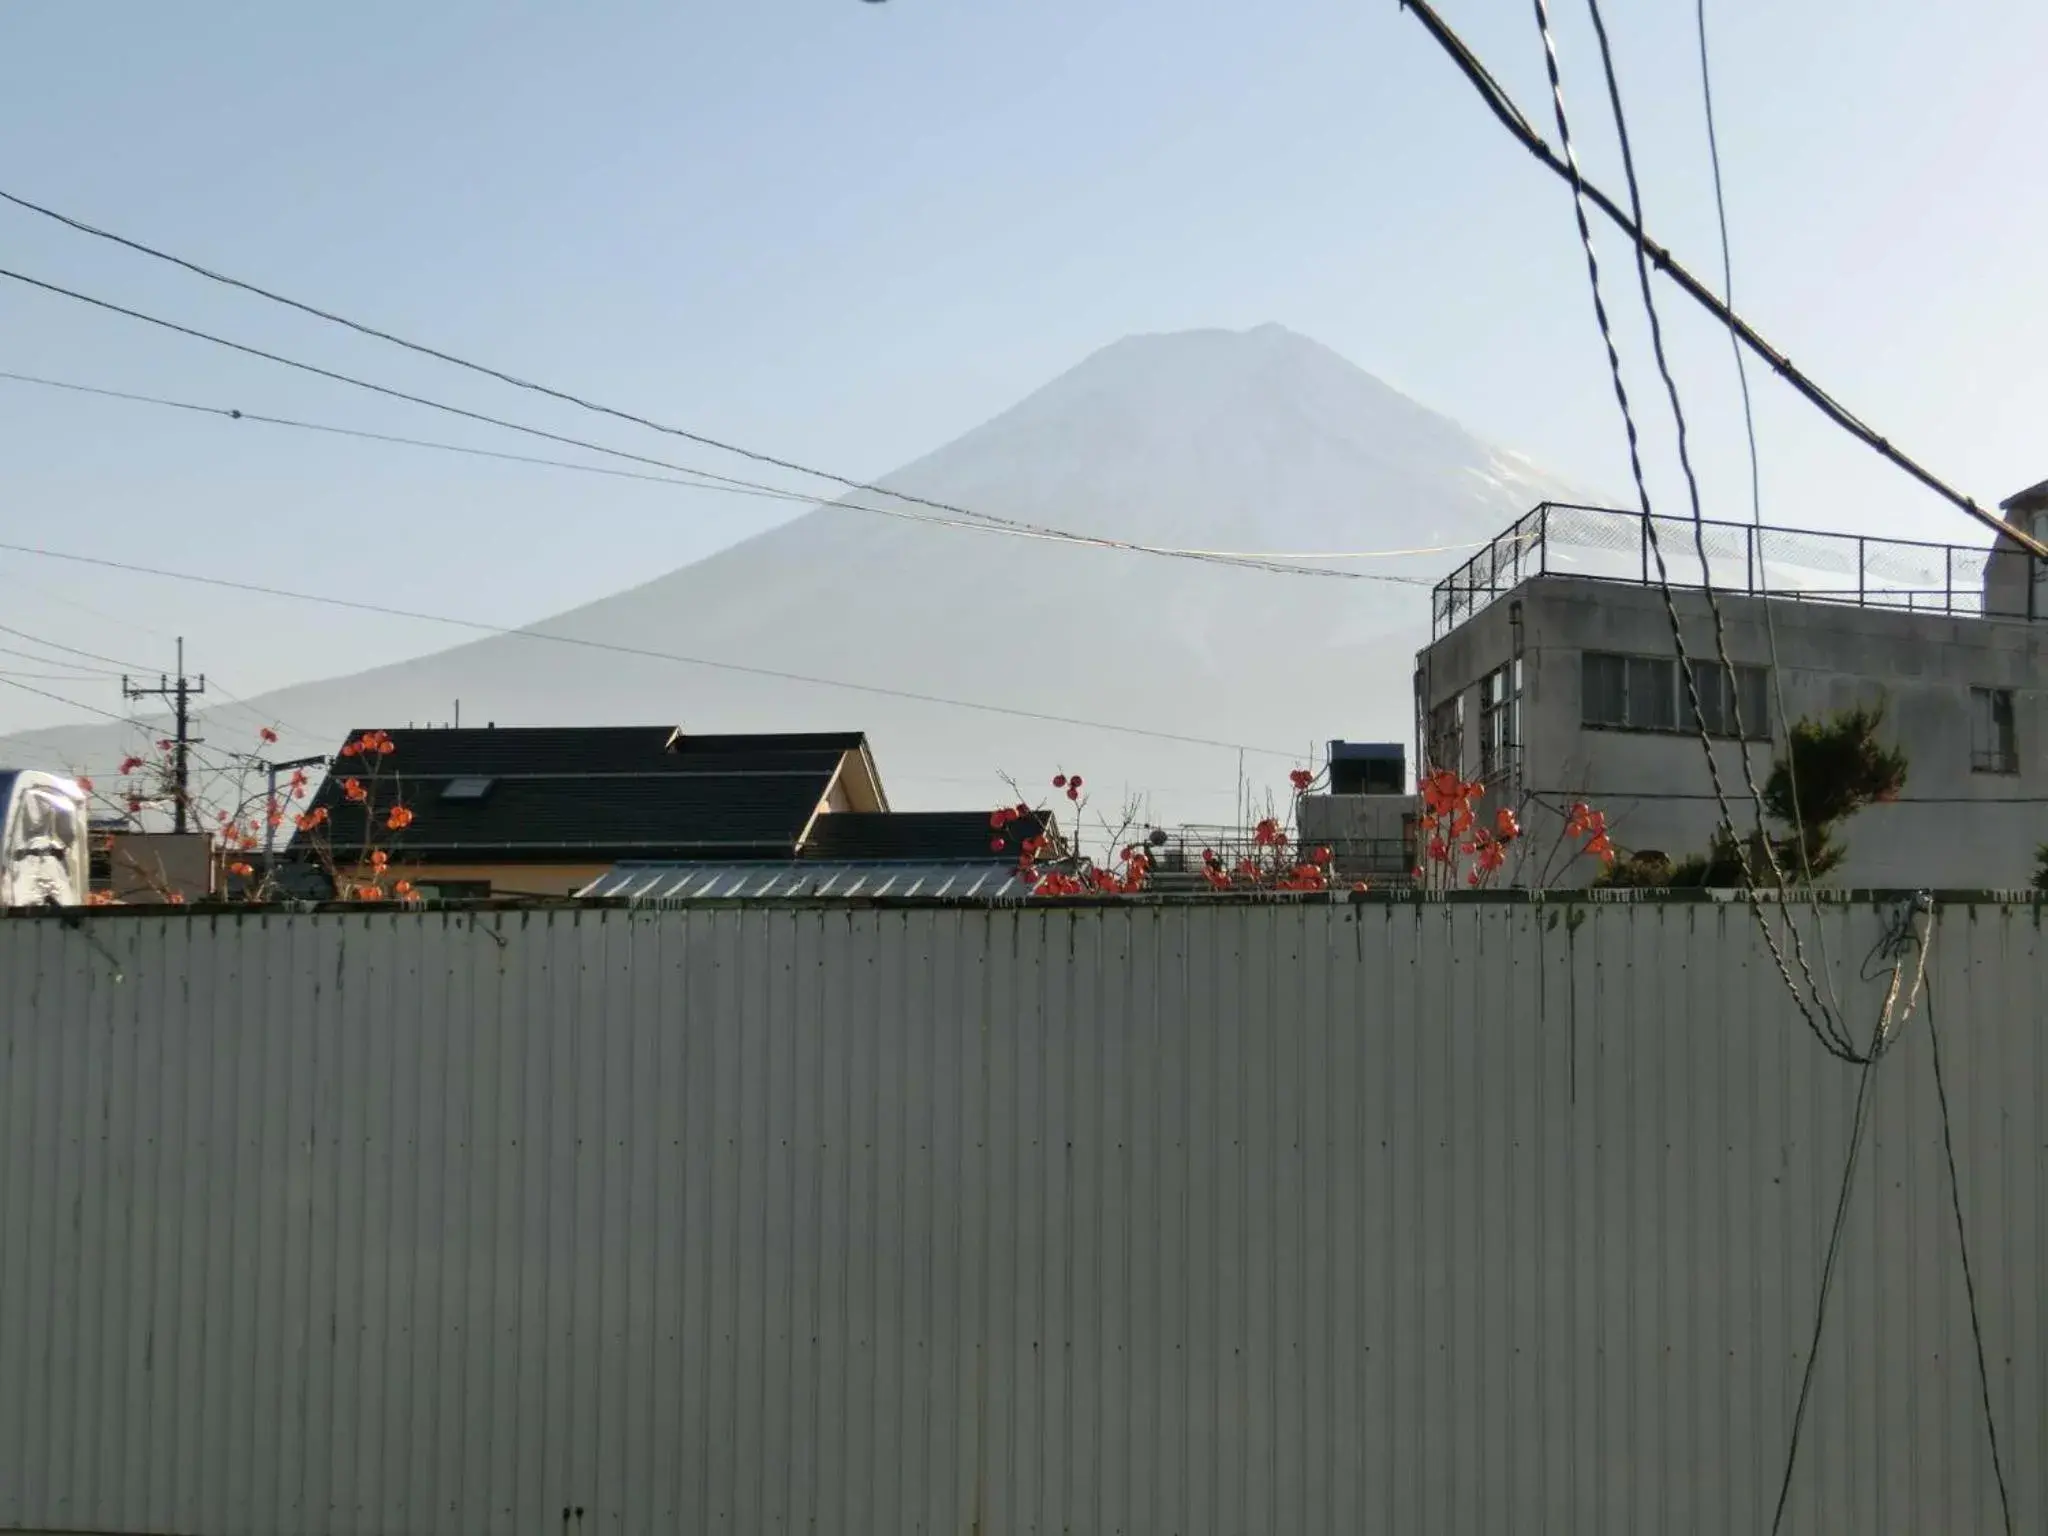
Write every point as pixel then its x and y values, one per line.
pixel 1258 441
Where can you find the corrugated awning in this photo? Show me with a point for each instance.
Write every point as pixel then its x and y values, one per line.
pixel 660 881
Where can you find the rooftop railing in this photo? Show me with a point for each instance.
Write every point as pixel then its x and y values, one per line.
pixel 1557 539
pixel 1386 862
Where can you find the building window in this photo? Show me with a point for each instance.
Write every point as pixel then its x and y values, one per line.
pixel 1746 692
pixel 1500 719
pixel 1647 693
pixel 1994 746
pixel 1447 735
pixel 1603 689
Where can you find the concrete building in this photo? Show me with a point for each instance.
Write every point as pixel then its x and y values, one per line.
pixel 1363 814
pixel 1552 675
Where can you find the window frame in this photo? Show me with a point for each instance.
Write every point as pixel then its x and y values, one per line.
pixel 1994 741
pixel 1447 734
pixel 1500 720
pixel 1674 716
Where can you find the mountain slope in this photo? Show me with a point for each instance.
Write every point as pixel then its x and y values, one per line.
pixel 1260 440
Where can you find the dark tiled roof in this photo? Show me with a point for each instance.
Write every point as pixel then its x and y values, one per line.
pixel 915 837
pixel 605 748
pixel 574 794
pixel 683 744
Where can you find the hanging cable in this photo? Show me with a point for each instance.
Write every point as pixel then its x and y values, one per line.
pixel 1731 695
pixel 420 348
pixel 78 671
pixel 1016 526
pixel 1955 1197
pixel 91 709
pixel 1898 940
pixel 728 484
pixel 72 650
pixel 1503 108
pixel 1819 1020
pixel 1750 433
pixel 1756 513
pixel 482 627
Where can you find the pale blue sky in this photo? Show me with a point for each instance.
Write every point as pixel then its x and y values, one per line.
pixel 849 232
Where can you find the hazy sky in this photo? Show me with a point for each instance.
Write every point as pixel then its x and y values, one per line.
pixel 848 232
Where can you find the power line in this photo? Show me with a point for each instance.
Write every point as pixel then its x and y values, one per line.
pixel 1859 1122
pixel 91 709
pixel 72 650
pixel 1893 945
pixel 1628 420
pixel 1756 517
pixel 263 719
pixel 1015 526
pixel 703 479
pixel 1825 1028
pixel 1684 435
pixel 235 700
pixel 49 677
pixel 482 627
pixel 420 348
pixel 1725 678
pixel 1955 1200
pixel 79 673
pixel 728 484
pixel 1503 107
pixel 1756 489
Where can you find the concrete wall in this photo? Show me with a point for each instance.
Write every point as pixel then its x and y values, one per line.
pixel 1369 836
pixel 1393 1217
pixel 1952 828
pixel 151 867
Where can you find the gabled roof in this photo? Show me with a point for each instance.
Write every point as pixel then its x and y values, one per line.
pixel 587 793
pixel 925 837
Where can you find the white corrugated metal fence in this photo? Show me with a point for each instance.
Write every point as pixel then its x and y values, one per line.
pixel 1467 1217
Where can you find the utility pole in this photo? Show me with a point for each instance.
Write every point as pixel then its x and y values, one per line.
pixel 181 693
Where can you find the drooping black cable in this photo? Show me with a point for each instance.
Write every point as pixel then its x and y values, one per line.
pixel 1692 480
pixel 1503 107
pixel 1819 1020
pixel 1756 484
pixel 1857 1124
pixel 1955 1197
pixel 1730 693
pixel 1898 940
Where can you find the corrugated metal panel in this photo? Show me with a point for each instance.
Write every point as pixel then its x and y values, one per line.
pixel 1161 1218
pixel 656 881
